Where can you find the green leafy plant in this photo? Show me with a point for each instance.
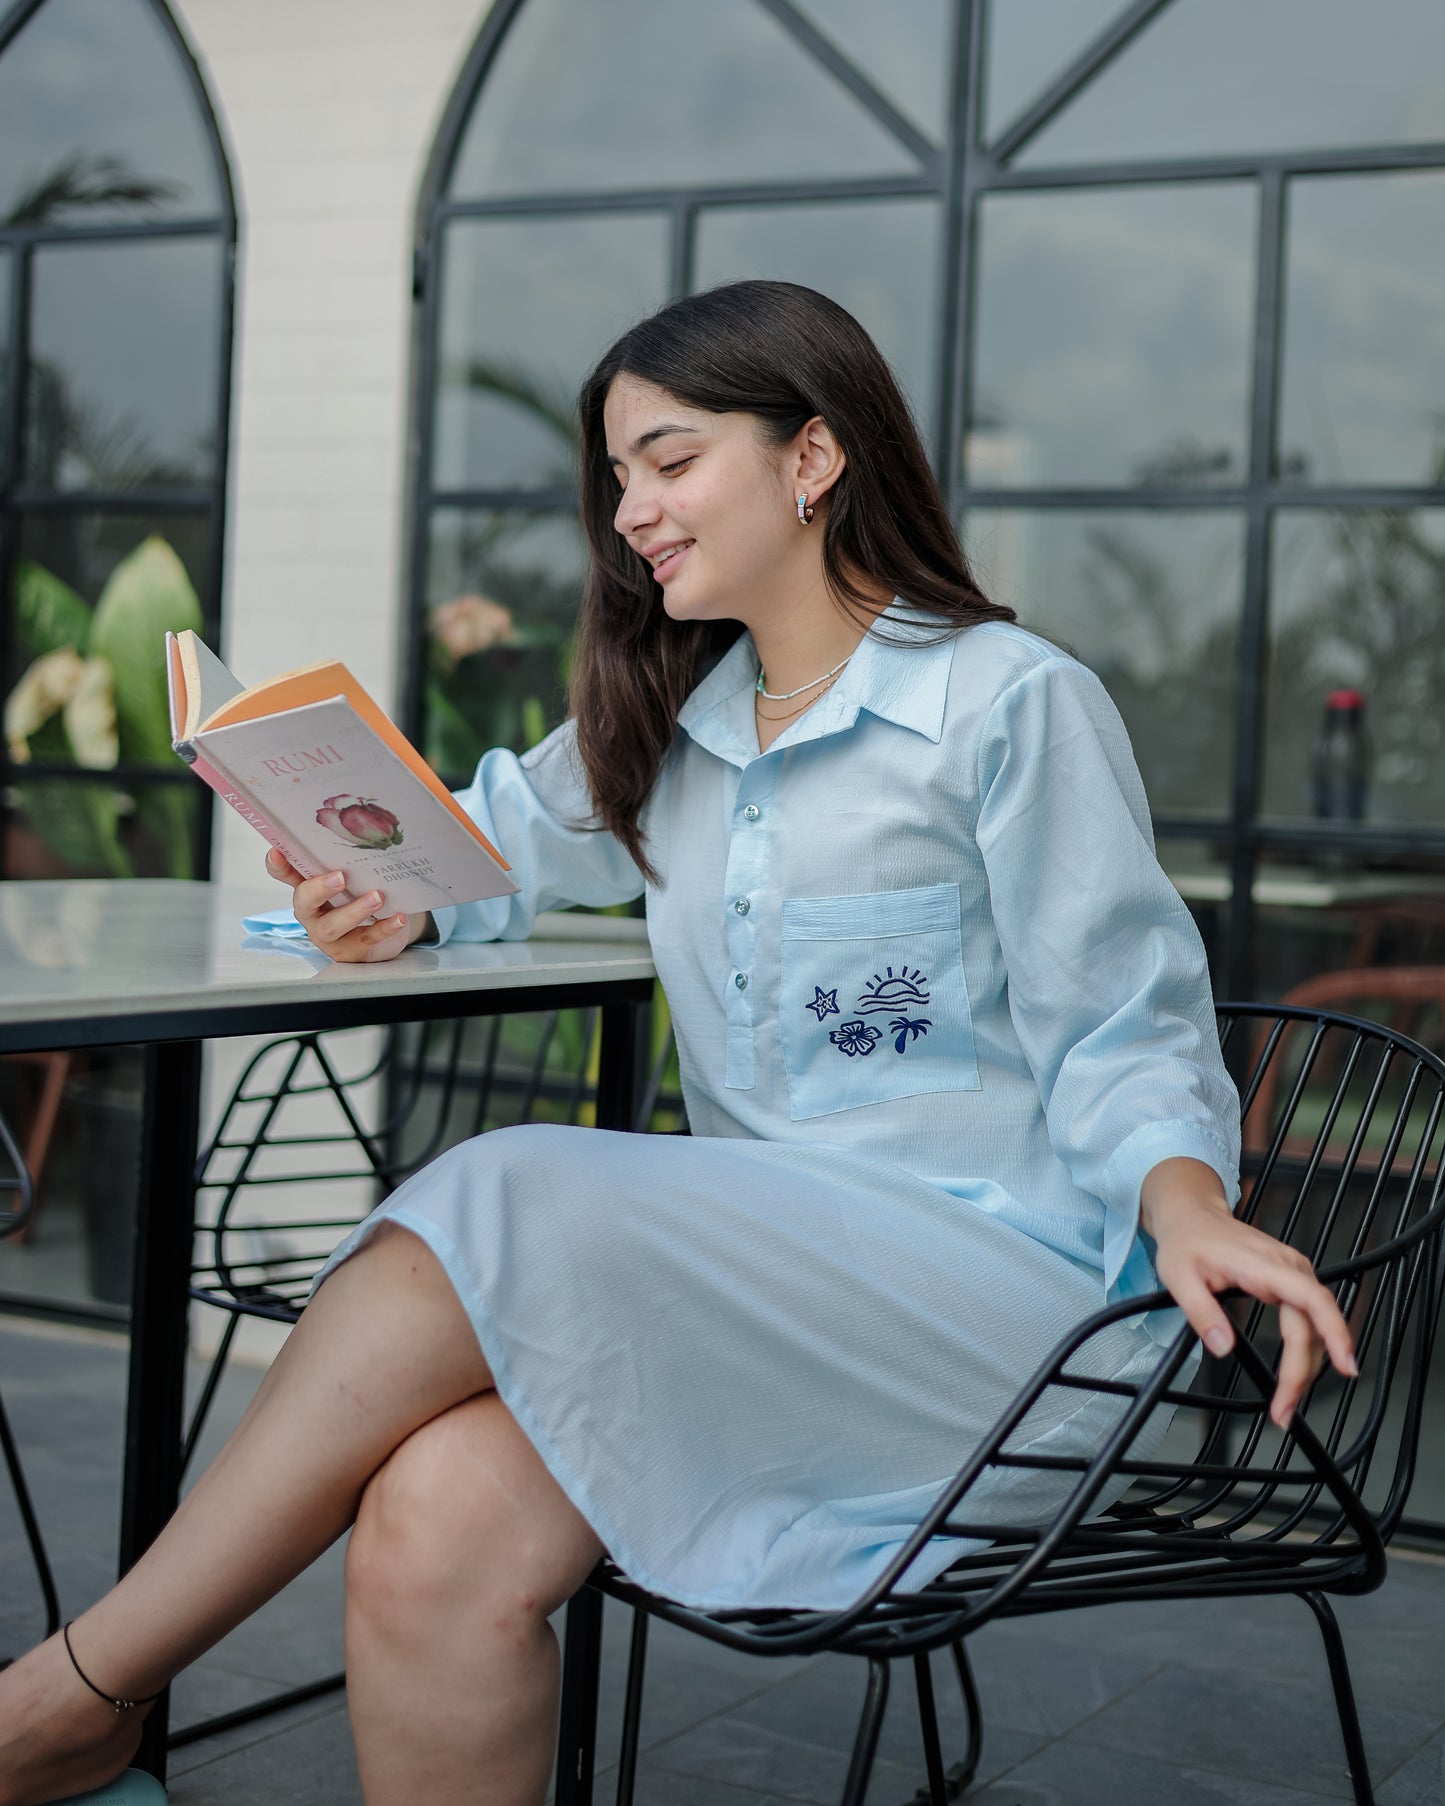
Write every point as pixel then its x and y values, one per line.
pixel 94 696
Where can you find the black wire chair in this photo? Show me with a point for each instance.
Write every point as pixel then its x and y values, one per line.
pixel 1342 1124
pixel 16 1183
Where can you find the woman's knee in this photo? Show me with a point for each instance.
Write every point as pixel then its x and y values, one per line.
pixel 465 1511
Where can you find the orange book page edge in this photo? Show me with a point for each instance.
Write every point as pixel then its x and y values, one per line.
pixel 319 683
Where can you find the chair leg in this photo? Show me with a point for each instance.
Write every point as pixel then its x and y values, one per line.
pixel 632 1710
pixel 1344 1697
pixel 961 1775
pixel 865 1741
pixel 938 1791
pixel 32 1526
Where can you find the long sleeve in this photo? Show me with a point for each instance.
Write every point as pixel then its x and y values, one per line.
pixel 1108 987
pixel 537 810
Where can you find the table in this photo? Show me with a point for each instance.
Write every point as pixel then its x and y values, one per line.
pixel 105 963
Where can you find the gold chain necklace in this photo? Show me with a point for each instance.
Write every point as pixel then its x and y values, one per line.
pixel 802 709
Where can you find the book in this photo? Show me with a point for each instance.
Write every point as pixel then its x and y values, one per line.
pixel 317 768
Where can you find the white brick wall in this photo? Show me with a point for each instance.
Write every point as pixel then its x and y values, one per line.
pixel 329 109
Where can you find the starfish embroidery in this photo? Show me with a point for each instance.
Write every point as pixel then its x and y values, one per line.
pixel 825 1003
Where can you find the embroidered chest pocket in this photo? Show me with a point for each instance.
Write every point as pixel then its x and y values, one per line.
pixel 873 1002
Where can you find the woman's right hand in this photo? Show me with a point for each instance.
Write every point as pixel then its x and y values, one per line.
pixel 347 933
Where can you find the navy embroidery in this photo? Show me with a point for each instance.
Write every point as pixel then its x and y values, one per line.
pixel 825 1003
pixel 903 991
pixel 907 1030
pixel 856 1038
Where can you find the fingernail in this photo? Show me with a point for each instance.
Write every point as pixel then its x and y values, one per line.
pixel 398 921
pixel 1217 1340
pixel 1352 1366
pixel 373 900
pixel 335 880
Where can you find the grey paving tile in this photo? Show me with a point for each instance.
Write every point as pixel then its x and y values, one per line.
pixel 1066 1774
pixel 822 1706
pixel 742 1755
pixel 1420 1781
pixel 1253 1726
pixel 311 1762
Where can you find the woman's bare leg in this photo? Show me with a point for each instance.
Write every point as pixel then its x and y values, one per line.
pixel 463 1547
pixel 384 1348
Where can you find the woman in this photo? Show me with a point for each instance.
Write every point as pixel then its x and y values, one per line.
pixel 947 1049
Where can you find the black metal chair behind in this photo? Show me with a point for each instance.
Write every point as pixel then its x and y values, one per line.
pixel 17 1199
pixel 1342 1134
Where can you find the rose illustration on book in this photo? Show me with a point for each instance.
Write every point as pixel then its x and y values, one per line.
pixel 360 821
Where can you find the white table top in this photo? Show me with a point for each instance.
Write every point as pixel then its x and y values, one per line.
pixel 1308 887
pixel 97 950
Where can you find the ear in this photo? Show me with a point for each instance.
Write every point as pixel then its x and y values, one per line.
pixel 816 459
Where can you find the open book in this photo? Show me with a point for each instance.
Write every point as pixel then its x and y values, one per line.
pixel 317 768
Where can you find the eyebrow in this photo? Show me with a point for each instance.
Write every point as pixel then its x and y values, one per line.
pixel 645 439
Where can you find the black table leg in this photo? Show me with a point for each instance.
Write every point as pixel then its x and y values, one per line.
pixel 621 1059
pixel 155 1408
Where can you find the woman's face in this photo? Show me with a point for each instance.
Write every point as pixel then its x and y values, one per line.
pixel 704 501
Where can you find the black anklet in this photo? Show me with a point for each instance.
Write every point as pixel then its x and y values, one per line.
pixel 121 1705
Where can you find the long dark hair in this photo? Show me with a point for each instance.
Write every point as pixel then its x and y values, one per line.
pixel 787 355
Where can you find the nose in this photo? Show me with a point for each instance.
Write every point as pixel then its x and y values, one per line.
pixel 637 508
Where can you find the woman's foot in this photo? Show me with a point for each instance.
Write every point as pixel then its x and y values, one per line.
pixel 56 1737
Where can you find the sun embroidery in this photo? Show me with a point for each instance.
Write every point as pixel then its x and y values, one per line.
pixel 894 992
pixel 825 1003
pixel 856 1038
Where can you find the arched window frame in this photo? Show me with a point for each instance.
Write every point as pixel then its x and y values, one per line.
pixel 205 501
pixel 966 170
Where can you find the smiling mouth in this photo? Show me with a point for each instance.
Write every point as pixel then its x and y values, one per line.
pixel 667 561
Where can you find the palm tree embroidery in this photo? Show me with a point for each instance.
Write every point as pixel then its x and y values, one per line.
pixel 904 1030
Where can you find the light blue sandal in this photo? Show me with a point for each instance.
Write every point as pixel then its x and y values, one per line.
pixel 133 1788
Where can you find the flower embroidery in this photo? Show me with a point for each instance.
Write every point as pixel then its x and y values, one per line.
pixel 825 1003
pixel 856 1038
pixel 906 1030
pixel 887 991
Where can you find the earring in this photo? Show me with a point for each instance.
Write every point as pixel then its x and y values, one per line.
pixel 805 513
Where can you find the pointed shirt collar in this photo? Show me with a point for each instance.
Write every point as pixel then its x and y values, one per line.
pixel 902 679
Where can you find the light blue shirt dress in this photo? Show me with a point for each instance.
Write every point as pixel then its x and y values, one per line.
pixel 938 1013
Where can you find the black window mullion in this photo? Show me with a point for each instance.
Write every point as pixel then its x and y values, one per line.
pixel 1092 60
pixel 1254 624
pixel 429 266
pixel 684 244
pixel 846 72
pixel 955 296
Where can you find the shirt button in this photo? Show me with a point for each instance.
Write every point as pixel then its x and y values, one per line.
pixel 742 906
pixel 752 812
pixel 740 979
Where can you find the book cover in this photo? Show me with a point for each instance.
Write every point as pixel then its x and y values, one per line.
pixel 319 771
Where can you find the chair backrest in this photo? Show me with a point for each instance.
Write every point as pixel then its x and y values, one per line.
pixel 1343 1126
pixel 17 1190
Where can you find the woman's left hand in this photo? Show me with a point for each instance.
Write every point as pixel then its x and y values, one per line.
pixel 1202 1249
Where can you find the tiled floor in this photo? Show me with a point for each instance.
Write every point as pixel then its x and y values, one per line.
pixel 1134 1706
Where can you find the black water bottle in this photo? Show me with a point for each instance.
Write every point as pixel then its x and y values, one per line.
pixel 1340 759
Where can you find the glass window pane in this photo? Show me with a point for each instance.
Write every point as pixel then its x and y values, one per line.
pixel 77 827
pixel 1357 606
pixel 587 97
pixel 878 259
pixel 1113 337
pixel 98 120
pixel 7 277
pixel 90 601
pixel 904 48
pixel 502 594
pixel 1315 918
pixel 1029 44
pixel 1209 77
pixel 122 376
pixel 1150 600
pixel 527 307
pixel 1364 348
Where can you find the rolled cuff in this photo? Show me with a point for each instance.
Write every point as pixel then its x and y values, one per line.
pixel 1128 1269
